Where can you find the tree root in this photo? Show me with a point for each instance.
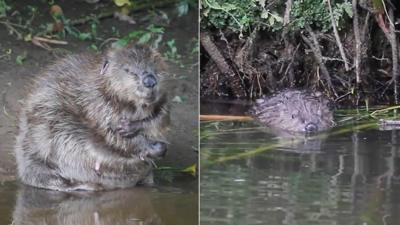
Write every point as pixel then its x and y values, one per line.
pixel 234 80
pixel 314 45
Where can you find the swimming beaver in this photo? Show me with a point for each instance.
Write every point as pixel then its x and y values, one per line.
pixel 94 122
pixel 295 110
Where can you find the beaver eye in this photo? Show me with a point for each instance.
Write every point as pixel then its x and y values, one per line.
pixel 126 70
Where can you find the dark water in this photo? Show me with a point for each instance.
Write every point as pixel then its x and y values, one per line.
pixel 166 205
pixel 254 176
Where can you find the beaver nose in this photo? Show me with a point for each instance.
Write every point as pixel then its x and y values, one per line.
pixel 311 127
pixel 149 81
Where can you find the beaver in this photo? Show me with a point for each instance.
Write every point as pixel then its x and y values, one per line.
pixel 295 111
pixel 94 122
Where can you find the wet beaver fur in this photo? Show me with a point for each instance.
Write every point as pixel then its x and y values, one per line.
pixel 94 122
pixel 295 111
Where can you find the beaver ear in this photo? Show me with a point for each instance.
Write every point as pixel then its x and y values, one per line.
pixel 105 67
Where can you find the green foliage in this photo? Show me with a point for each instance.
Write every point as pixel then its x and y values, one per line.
pixel 239 16
pixel 196 47
pixel 3 8
pixel 242 16
pixel 21 58
pixel 182 7
pixel 172 53
pixel 316 13
pixel 151 35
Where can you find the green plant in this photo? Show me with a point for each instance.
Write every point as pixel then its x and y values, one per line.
pixel 315 13
pixel 3 8
pixel 182 7
pixel 151 35
pixel 240 16
pixel 172 53
pixel 21 58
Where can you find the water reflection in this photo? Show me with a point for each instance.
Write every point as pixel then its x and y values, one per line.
pixel 134 206
pixel 252 176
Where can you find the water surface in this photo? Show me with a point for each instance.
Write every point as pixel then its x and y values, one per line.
pixel 251 175
pixel 163 205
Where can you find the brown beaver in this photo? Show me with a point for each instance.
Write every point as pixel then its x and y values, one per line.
pixel 295 110
pixel 94 122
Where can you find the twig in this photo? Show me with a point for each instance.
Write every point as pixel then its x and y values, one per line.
pixel 314 45
pixel 225 118
pixel 214 53
pixel 331 59
pixel 288 45
pixel 12 29
pixel 242 53
pixel 42 44
pixel 139 6
pixel 365 27
pixel 106 41
pixel 51 41
pixel 292 59
pixel 286 17
pixel 337 37
pixel 379 111
pixel 357 38
pixel 221 63
pixel 395 59
pixel 390 35
pixel 384 122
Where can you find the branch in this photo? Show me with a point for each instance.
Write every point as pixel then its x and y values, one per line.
pixel 225 118
pixel 337 37
pixel 286 17
pixel 214 53
pixel 395 57
pixel 314 45
pixel 234 82
pixel 357 37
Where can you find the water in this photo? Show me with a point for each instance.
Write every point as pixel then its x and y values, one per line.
pixel 166 205
pixel 255 176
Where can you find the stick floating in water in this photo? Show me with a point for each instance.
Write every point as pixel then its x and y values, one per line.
pixel 225 118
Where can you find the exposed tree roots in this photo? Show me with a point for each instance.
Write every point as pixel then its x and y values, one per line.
pixel 353 66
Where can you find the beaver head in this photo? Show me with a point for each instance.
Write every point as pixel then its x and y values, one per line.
pixel 133 73
pixel 295 110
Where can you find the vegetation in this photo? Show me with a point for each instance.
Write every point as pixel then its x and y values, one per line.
pixel 47 25
pixel 348 49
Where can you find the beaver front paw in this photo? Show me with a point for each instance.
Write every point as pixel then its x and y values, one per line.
pixel 155 150
pixel 127 128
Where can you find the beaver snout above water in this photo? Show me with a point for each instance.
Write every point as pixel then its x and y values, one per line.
pixel 295 110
